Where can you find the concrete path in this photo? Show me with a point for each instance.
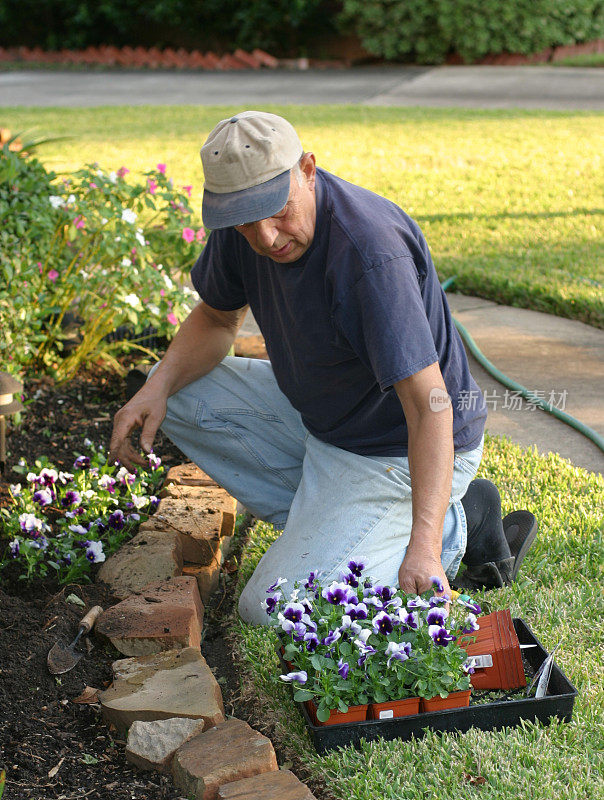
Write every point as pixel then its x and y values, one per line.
pixel 561 358
pixel 547 354
pixel 561 88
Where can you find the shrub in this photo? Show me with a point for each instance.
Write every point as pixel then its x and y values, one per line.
pixel 427 32
pixel 76 248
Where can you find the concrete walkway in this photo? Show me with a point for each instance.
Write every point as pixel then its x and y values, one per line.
pixel 560 358
pixel 560 88
pixel 547 354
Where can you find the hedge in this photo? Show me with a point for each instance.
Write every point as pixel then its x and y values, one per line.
pixel 426 31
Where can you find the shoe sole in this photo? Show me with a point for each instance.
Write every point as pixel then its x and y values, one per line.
pixel 520 529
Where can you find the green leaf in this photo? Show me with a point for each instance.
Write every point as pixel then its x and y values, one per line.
pixel 323 714
pixel 302 695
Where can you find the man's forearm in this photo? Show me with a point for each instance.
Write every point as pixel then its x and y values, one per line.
pixel 202 341
pixel 431 468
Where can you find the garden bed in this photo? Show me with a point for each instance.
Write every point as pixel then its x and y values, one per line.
pixel 42 725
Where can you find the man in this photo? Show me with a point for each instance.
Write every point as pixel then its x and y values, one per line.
pixel 353 439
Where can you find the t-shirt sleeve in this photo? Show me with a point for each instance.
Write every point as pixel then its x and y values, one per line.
pixel 216 276
pixel 383 318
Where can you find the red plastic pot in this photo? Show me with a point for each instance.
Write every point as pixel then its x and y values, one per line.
pixel 394 708
pixel 354 714
pixel 452 700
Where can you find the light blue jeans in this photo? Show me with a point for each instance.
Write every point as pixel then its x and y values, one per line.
pixel 333 505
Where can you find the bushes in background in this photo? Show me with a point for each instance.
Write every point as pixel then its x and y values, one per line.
pixel 427 30
pixel 281 26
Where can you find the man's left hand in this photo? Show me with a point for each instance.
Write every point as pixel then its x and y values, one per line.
pixel 416 571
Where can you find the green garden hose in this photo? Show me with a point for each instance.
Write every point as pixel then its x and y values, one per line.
pixel 484 362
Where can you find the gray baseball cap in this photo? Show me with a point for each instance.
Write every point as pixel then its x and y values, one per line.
pixel 246 162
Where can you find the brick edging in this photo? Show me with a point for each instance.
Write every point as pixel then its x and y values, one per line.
pixel 164 695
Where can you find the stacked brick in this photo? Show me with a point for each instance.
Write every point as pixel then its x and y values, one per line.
pixel 164 696
pixel 141 57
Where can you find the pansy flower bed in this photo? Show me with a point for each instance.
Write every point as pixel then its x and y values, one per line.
pixel 356 646
pixel 68 520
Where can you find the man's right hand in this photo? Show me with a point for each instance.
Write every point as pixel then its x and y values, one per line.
pixel 146 410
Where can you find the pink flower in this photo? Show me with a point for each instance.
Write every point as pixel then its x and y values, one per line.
pixel 92 186
pixel 172 318
pixel 151 185
pixel 161 168
pixel 162 292
pixel 187 189
pixel 79 222
pixel 40 267
pixel 122 171
pixel 103 305
pixel 52 275
pixel 200 236
pixel 188 234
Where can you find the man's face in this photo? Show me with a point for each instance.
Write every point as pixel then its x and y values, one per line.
pixel 287 235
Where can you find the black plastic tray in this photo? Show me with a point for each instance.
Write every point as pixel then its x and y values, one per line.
pixel 558 702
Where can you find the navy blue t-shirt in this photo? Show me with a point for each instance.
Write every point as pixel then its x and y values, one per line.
pixel 359 311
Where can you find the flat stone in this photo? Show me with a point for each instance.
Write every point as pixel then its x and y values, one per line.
pixel 229 752
pixel 151 745
pixel 208 578
pixel 280 785
pixel 150 556
pixel 166 615
pixel 202 498
pixel 189 474
pixel 199 531
pixel 175 683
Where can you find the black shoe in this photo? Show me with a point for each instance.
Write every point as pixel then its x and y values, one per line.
pixel 491 575
pixel 520 529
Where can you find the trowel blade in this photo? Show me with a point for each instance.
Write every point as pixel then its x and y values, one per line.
pixel 62 659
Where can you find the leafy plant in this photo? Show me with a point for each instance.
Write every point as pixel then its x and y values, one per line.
pixel 355 642
pixel 66 522
pixel 427 32
pixel 75 249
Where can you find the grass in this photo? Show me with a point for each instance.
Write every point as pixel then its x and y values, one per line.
pixel 581 60
pixel 510 201
pixel 557 592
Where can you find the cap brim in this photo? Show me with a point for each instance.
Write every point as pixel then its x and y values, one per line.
pixel 248 205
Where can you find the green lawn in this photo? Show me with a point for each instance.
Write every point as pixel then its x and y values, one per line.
pixel 510 201
pixel 558 592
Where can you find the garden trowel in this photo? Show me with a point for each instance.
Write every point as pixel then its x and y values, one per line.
pixel 61 658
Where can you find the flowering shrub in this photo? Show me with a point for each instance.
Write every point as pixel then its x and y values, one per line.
pixel 355 642
pixel 91 246
pixel 67 521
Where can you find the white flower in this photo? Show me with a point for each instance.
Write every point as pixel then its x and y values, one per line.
pixel 71 199
pixel 94 552
pixel 88 494
pixel 56 202
pixel 78 529
pixel 140 238
pixel 29 523
pixel 139 502
pixel 87 443
pixel 31 477
pixel 104 220
pixel 15 488
pixel 153 309
pixel 132 300
pixel 168 281
pixel 126 262
pixel 65 477
pixel 113 176
pixel 129 216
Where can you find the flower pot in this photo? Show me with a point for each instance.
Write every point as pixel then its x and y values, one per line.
pixel 394 708
pixel 354 714
pixel 288 664
pixel 452 700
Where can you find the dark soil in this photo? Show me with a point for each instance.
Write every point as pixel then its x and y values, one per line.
pixel 51 747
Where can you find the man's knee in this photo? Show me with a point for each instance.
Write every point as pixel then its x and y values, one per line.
pixel 250 608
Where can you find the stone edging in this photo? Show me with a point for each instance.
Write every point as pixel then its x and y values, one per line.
pixel 164 696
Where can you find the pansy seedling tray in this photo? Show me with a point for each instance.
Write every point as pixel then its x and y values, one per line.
pixel 558 702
